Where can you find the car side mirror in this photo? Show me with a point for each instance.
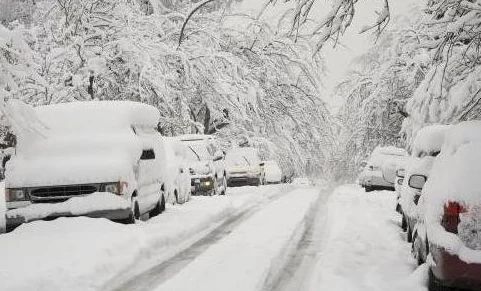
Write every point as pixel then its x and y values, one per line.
pixel 417 181
pixel 148 154
pixel 262 164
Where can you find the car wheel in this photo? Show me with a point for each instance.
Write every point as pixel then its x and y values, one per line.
pixel 162 204
pixel 404 224
pixel 224 186
pixel 134 212
pixel 409 235
pixel 176 197
pixel 434 284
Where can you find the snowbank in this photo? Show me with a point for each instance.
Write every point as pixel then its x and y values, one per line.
pixel 261 240
pixel 98 201
pixel 83 253
pixel 362 246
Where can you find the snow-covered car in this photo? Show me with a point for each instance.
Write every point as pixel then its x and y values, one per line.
pixel 175 171
pixel 207 165
pixel 380 171
pixel 244 167
pixel 96 159
pixel 425 147
pixel 417 173
pixel 273 172
pixel 452 216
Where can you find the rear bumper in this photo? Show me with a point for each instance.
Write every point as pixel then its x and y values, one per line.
pixel 375 179
pixel 451 271
pixel 116 214
pixel 243 180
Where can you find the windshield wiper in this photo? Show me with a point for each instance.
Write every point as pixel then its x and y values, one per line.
pixel 246 160
pixel 195 153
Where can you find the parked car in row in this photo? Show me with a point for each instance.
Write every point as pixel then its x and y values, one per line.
pixel 175 170
pixel 105 151
pixel 273 172
pixel 425 147
pixel 207 165
pixel 448 234
pixel 380 170
pixel 244 167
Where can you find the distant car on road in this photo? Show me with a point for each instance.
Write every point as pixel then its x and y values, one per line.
pixel 273 172
pixel 244 167
pixel 97 159
pixel 380 171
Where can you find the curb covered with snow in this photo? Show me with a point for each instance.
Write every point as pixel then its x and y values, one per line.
pixel 245 259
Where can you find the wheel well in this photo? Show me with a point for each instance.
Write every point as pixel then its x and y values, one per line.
pixel 134 194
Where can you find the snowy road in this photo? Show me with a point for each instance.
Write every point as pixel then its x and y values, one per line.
pixel 277 238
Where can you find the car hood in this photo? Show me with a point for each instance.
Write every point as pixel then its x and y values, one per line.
pixel 67 170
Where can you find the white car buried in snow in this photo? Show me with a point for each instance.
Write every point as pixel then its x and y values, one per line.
pixel 175 167
pixel 273 172
pixel 97 159
pixel 244 167
pixel 380 171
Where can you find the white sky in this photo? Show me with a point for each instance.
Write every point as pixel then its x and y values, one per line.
pixel 339 58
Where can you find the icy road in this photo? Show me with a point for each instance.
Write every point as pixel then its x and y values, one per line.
pixel 279 238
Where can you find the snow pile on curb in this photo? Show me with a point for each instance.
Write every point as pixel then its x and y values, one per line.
pixel 83 253
pixel 258 243
pixel 363 248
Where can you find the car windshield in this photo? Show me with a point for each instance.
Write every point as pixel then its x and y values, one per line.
pixel 197 152
pixel 233 160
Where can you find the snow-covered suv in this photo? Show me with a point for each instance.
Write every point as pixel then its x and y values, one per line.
pixel 98 159
pixel 207 165
pixel 244 167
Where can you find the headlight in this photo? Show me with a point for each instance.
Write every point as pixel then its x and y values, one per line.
pixel 112 188
pixel 12 195
pixel 117 188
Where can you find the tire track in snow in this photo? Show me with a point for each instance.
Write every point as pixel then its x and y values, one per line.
pixel 159 273
pixel 302 257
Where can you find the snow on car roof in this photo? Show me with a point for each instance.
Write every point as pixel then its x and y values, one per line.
pixel 389 150
pixel 97 114
pixel 429 139
pixel 462 133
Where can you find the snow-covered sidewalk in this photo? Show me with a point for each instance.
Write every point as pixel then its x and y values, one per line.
pixel 84 253
pixel 252 254
pixel 364 248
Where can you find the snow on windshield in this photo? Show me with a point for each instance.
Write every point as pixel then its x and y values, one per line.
pixel 197 151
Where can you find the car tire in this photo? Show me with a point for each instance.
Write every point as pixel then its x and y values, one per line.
pixel 434 284
pixel 134 212
pixel 404 224
pixel 409 235
pixel 157 209
pixel 224 186
pixel 368 189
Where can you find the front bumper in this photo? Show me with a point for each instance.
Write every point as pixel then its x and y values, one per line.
pixel 451 271
pixel 202 185
pixel 13 222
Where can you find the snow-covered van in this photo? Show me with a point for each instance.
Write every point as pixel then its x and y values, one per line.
pixel 380 171
pixel 244 167
pixel 452 215
pixel 207 165
pixel 96 159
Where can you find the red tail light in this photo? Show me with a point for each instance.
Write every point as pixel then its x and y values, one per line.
pixel 450 219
